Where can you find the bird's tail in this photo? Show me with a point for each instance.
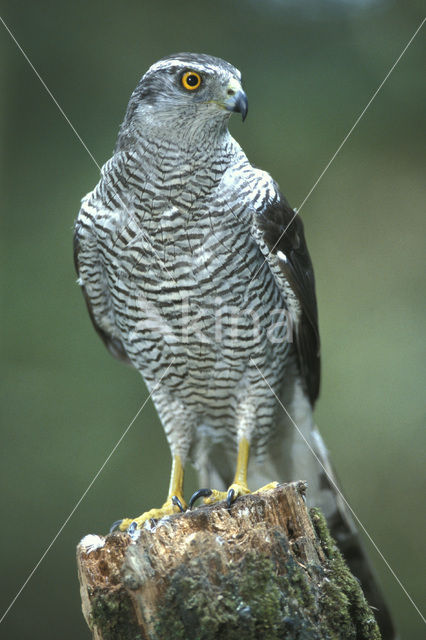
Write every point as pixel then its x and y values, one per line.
pixel 302 455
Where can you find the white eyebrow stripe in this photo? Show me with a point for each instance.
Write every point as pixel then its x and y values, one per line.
pixel 166 64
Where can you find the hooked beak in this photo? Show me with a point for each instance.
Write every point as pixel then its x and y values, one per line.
pixel 238 103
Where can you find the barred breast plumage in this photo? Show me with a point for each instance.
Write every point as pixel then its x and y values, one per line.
pixel 174 239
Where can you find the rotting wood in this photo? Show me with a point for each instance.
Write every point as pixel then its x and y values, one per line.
pixel 264 569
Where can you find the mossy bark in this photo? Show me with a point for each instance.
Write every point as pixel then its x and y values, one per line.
pixel 264 569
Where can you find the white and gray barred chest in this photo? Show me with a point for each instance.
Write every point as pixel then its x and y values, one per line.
pixel 192 296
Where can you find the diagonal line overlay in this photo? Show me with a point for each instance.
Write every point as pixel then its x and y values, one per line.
pixel 361 115
pixel 339 148
pixel 163 266
pixel 77 504
pixel 49 92
pixel 341 495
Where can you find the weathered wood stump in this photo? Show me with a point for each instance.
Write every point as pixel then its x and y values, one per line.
pixel 264 569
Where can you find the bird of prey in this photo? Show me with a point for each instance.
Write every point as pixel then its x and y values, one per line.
pixel 195 270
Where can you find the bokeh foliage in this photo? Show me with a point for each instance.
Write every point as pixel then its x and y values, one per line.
pixel 309 68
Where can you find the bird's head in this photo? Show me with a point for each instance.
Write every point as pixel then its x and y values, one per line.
pixel 186 91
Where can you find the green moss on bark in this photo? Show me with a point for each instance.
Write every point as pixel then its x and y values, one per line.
pixel 247 603
pixel 253 602
pixel 113 615
pixel 342 600
pixel 255 597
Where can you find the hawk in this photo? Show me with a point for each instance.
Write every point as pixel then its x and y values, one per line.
pixel 195 270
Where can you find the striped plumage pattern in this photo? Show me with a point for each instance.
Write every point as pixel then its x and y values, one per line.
pixel 161 240
pixel 195 271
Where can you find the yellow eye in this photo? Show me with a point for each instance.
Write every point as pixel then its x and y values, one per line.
pixel 191 80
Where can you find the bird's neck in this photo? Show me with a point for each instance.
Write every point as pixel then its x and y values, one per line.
pixel 180 163
pixel 188 151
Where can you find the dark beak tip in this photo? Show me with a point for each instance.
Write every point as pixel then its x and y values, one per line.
pixel 242 105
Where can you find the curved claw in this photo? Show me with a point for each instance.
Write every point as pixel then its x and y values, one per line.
pixel 178 503
pixel 230 498
pixel 115 525
pixel 201 493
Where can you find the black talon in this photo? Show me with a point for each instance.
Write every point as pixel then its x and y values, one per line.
pixel 132 528
pixel 230 498
pixel 178 503
pixel 115 525
pixel 201 493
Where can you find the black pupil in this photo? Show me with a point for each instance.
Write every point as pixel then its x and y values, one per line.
pixel 192 80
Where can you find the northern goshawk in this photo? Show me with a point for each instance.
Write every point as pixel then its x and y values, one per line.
pixel 195 270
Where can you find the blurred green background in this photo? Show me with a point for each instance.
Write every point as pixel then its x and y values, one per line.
pixel 309 68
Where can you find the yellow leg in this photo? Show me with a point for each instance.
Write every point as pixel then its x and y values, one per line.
pixel 176 479
pixel 170 506
pixel 239 486
pixel 242 462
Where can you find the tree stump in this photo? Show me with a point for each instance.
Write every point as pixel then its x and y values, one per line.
pixel 264 569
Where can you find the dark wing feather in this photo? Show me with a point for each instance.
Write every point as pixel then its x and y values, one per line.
pixel 282 230
pixel 89 270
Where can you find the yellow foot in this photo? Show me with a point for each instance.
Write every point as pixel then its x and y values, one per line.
pixel 212 496
pixel 234 492
pixel 175 504
pixel 267 487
